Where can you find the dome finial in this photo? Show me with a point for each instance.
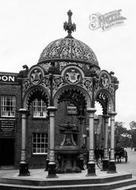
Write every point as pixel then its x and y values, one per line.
pixel 69 26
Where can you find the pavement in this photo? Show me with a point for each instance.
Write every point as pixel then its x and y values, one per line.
pixel 130 166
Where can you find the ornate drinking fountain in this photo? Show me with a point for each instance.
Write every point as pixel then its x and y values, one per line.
pixel 68 153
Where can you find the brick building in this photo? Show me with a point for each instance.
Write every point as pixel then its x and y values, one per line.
pixel 10 101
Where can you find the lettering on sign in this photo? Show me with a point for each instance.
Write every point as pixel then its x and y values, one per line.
pixel 7 127
pixel 71 109
pixel 7 78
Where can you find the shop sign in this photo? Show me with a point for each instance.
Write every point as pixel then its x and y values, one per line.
pixel 7 127
pixel 72 110
pixel 7 78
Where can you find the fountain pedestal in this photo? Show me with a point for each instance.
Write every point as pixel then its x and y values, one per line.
pixel 68 153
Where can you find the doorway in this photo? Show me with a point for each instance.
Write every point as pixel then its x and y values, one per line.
pixel 7 150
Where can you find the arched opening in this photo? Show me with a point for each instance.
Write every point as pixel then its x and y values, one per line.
pixel 106 101
pixel 104 104
pixel 71 133
pixel 98 127
pixel 37 101
pixel 72 109
pixel 33 94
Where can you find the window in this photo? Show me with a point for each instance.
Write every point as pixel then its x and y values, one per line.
pixel 8 106
pixel 39 109
pixel 39 143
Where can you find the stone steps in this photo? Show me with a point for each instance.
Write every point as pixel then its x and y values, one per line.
pixel 106 186
pixel 114 181
pixel 65 180
pixel 129 187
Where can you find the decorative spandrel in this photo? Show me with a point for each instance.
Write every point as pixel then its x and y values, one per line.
pixel 88 84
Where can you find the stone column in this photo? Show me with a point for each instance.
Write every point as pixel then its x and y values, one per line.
pixel 91 162
pixel 106 155
pixel 23 170
pixel 81 142
pixel 112 166
pixel 52 164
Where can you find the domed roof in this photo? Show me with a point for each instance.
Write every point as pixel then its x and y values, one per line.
pixel 68 49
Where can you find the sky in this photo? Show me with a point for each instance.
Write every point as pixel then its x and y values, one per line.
pixel 28 26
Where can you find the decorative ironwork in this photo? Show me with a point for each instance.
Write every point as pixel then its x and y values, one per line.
pixel 75 97
pixel 57 82
pixel 26 85
pixel 88 84
pixel 69 49
pixel 60 65
pixel 104 81
pixel 70 61
pixel 35 76
pixel 72 76
pixel 105 100
pixel 94 77
pixel 38 93
pixel 107 81
pixel 114 80
pixel 69 26
pixel 51 76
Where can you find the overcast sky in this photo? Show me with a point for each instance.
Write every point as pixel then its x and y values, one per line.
pixel 28 26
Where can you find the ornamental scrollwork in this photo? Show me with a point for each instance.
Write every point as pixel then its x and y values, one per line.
pixel 58 82
pixel 68 48
pixel 26 85
pixel 111 89
pixel 88 84
pixel 46 82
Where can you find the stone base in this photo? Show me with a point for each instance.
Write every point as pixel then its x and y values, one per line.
pixel 66 182
pixel 46 165
pixel 81 164
pixel 70 170
pixel 23 169
pixel 51 170
pixel 105 165
pixel 112 167
pixel 91 169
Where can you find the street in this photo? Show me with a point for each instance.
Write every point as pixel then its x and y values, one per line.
pixel 130 166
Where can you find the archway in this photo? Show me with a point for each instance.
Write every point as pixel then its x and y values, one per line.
pixel 70 127
pixel 35 92
pixel 105 99
pixel 35 105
